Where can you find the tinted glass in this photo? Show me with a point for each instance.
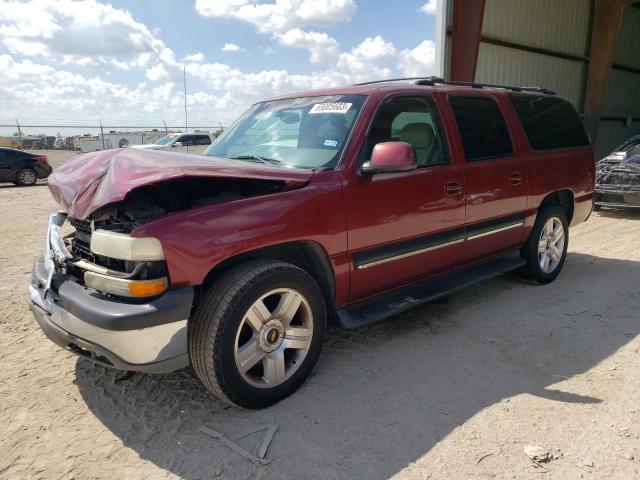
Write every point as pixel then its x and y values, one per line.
pixel 187 140
pixel 203 140
pixel 482 128
pixel 413 120
pixel 549 122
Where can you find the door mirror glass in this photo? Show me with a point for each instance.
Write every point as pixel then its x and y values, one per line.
pixel 177 144
pixel 389 157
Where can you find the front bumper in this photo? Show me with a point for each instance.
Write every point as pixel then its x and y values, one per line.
pixel 617 198
pixel 149 337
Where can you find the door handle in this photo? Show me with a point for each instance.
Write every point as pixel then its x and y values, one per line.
pixel 453 188
pixel 515 178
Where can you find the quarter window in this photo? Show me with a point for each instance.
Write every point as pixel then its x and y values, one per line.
pixel 549 122
pixel 412 120
pixel 483 129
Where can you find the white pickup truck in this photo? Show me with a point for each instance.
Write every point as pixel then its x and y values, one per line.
pixel 180 142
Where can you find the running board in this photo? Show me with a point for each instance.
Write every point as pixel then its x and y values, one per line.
pixel 384 306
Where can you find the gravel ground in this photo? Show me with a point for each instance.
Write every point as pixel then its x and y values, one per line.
pixel 454 389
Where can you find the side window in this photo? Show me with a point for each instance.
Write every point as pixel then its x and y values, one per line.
pixel 203 140
pixel 549 122
pixel 482 127
pixel 187 140
pixel 413 120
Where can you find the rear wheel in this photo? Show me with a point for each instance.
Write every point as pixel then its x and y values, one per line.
pixel 26 177
pixel 257 333
pixel 546 248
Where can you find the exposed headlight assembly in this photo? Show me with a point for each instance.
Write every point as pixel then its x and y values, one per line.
pixel 125 247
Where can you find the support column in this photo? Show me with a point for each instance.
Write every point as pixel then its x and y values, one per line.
pixel 607 17
pixel 465 39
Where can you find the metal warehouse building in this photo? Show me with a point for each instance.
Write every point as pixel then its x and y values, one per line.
pixel 588 51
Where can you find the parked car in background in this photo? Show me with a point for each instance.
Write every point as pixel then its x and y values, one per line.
pixel 348 204
pixel 22 168
pixel 180 142
pixel 618 177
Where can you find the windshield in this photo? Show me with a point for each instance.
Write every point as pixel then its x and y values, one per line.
pixel 164 140
pixel 304 132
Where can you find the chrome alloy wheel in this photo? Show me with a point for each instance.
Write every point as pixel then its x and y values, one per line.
pixel 551 245
pixel 27 177
pixel 273 338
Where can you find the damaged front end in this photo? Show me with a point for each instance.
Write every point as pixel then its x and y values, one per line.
pixel 618 182
pixel 104 255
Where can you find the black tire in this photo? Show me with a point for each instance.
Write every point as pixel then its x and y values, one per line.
pixel 216 321
pixel 597 208
pixel 533 270
pixel 26 177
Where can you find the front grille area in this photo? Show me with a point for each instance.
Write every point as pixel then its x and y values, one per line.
pixel 81 250
pixel 81 241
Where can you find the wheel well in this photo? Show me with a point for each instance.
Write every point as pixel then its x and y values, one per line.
pixel 309 256
pixel 564 198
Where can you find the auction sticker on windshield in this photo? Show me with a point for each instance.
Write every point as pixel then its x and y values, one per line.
pixel 337 107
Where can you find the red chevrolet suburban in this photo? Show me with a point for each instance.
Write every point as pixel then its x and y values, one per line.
pixel 348 204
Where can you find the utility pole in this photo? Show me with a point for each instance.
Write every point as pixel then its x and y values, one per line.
pixel 19 134
pixel 102 135
pixel 186 123
pixel 166 130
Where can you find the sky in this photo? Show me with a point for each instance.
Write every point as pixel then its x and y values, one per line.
pixel 84 61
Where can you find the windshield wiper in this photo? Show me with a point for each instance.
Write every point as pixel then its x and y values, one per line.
pixel 256 158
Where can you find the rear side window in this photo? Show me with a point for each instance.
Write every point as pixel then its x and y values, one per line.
pixel 482 127
pixel 549 122
pixel 203 140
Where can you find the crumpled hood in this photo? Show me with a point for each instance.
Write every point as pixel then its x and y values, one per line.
pixel 90 181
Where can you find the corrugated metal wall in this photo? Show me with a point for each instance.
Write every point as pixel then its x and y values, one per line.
pixel 561 26
pixel 508 66
pixel 622 96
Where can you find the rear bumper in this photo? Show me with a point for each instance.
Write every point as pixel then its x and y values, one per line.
pixel 149 337
pixel 617 198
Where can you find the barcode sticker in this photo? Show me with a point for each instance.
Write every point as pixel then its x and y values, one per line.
pixel 338 107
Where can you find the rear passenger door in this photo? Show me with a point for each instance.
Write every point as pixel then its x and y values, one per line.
pixel 495 177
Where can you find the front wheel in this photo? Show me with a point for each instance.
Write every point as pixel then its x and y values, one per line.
pixel 546 248
pixel 257 333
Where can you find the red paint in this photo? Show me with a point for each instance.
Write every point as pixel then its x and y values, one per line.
pixel 344 211
pixel 465 38
pixel 90 181
pixel 393 156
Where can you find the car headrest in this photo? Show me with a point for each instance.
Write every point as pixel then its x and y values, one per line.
pixel 419 135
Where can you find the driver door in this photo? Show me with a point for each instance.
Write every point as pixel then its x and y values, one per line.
pixel 404 227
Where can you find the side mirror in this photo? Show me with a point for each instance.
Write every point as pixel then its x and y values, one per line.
pixel 390 157
pixel 177 144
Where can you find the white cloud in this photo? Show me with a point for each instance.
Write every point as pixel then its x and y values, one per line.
pixel 282 15
pixel 86 32
pixel 194 57
pixel 232 47
pixel 430 7
pixel 322 47
pixel 58 39
pixel 375 48
pixel 418 61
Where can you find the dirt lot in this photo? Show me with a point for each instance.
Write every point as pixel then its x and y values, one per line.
pixel 452 390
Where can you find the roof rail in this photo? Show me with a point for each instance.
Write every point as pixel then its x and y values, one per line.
pixel 431 81
pixel 391 80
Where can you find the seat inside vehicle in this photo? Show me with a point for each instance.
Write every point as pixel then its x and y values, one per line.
pixel 421 137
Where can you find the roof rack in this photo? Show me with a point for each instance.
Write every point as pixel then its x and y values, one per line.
pixel 431 81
